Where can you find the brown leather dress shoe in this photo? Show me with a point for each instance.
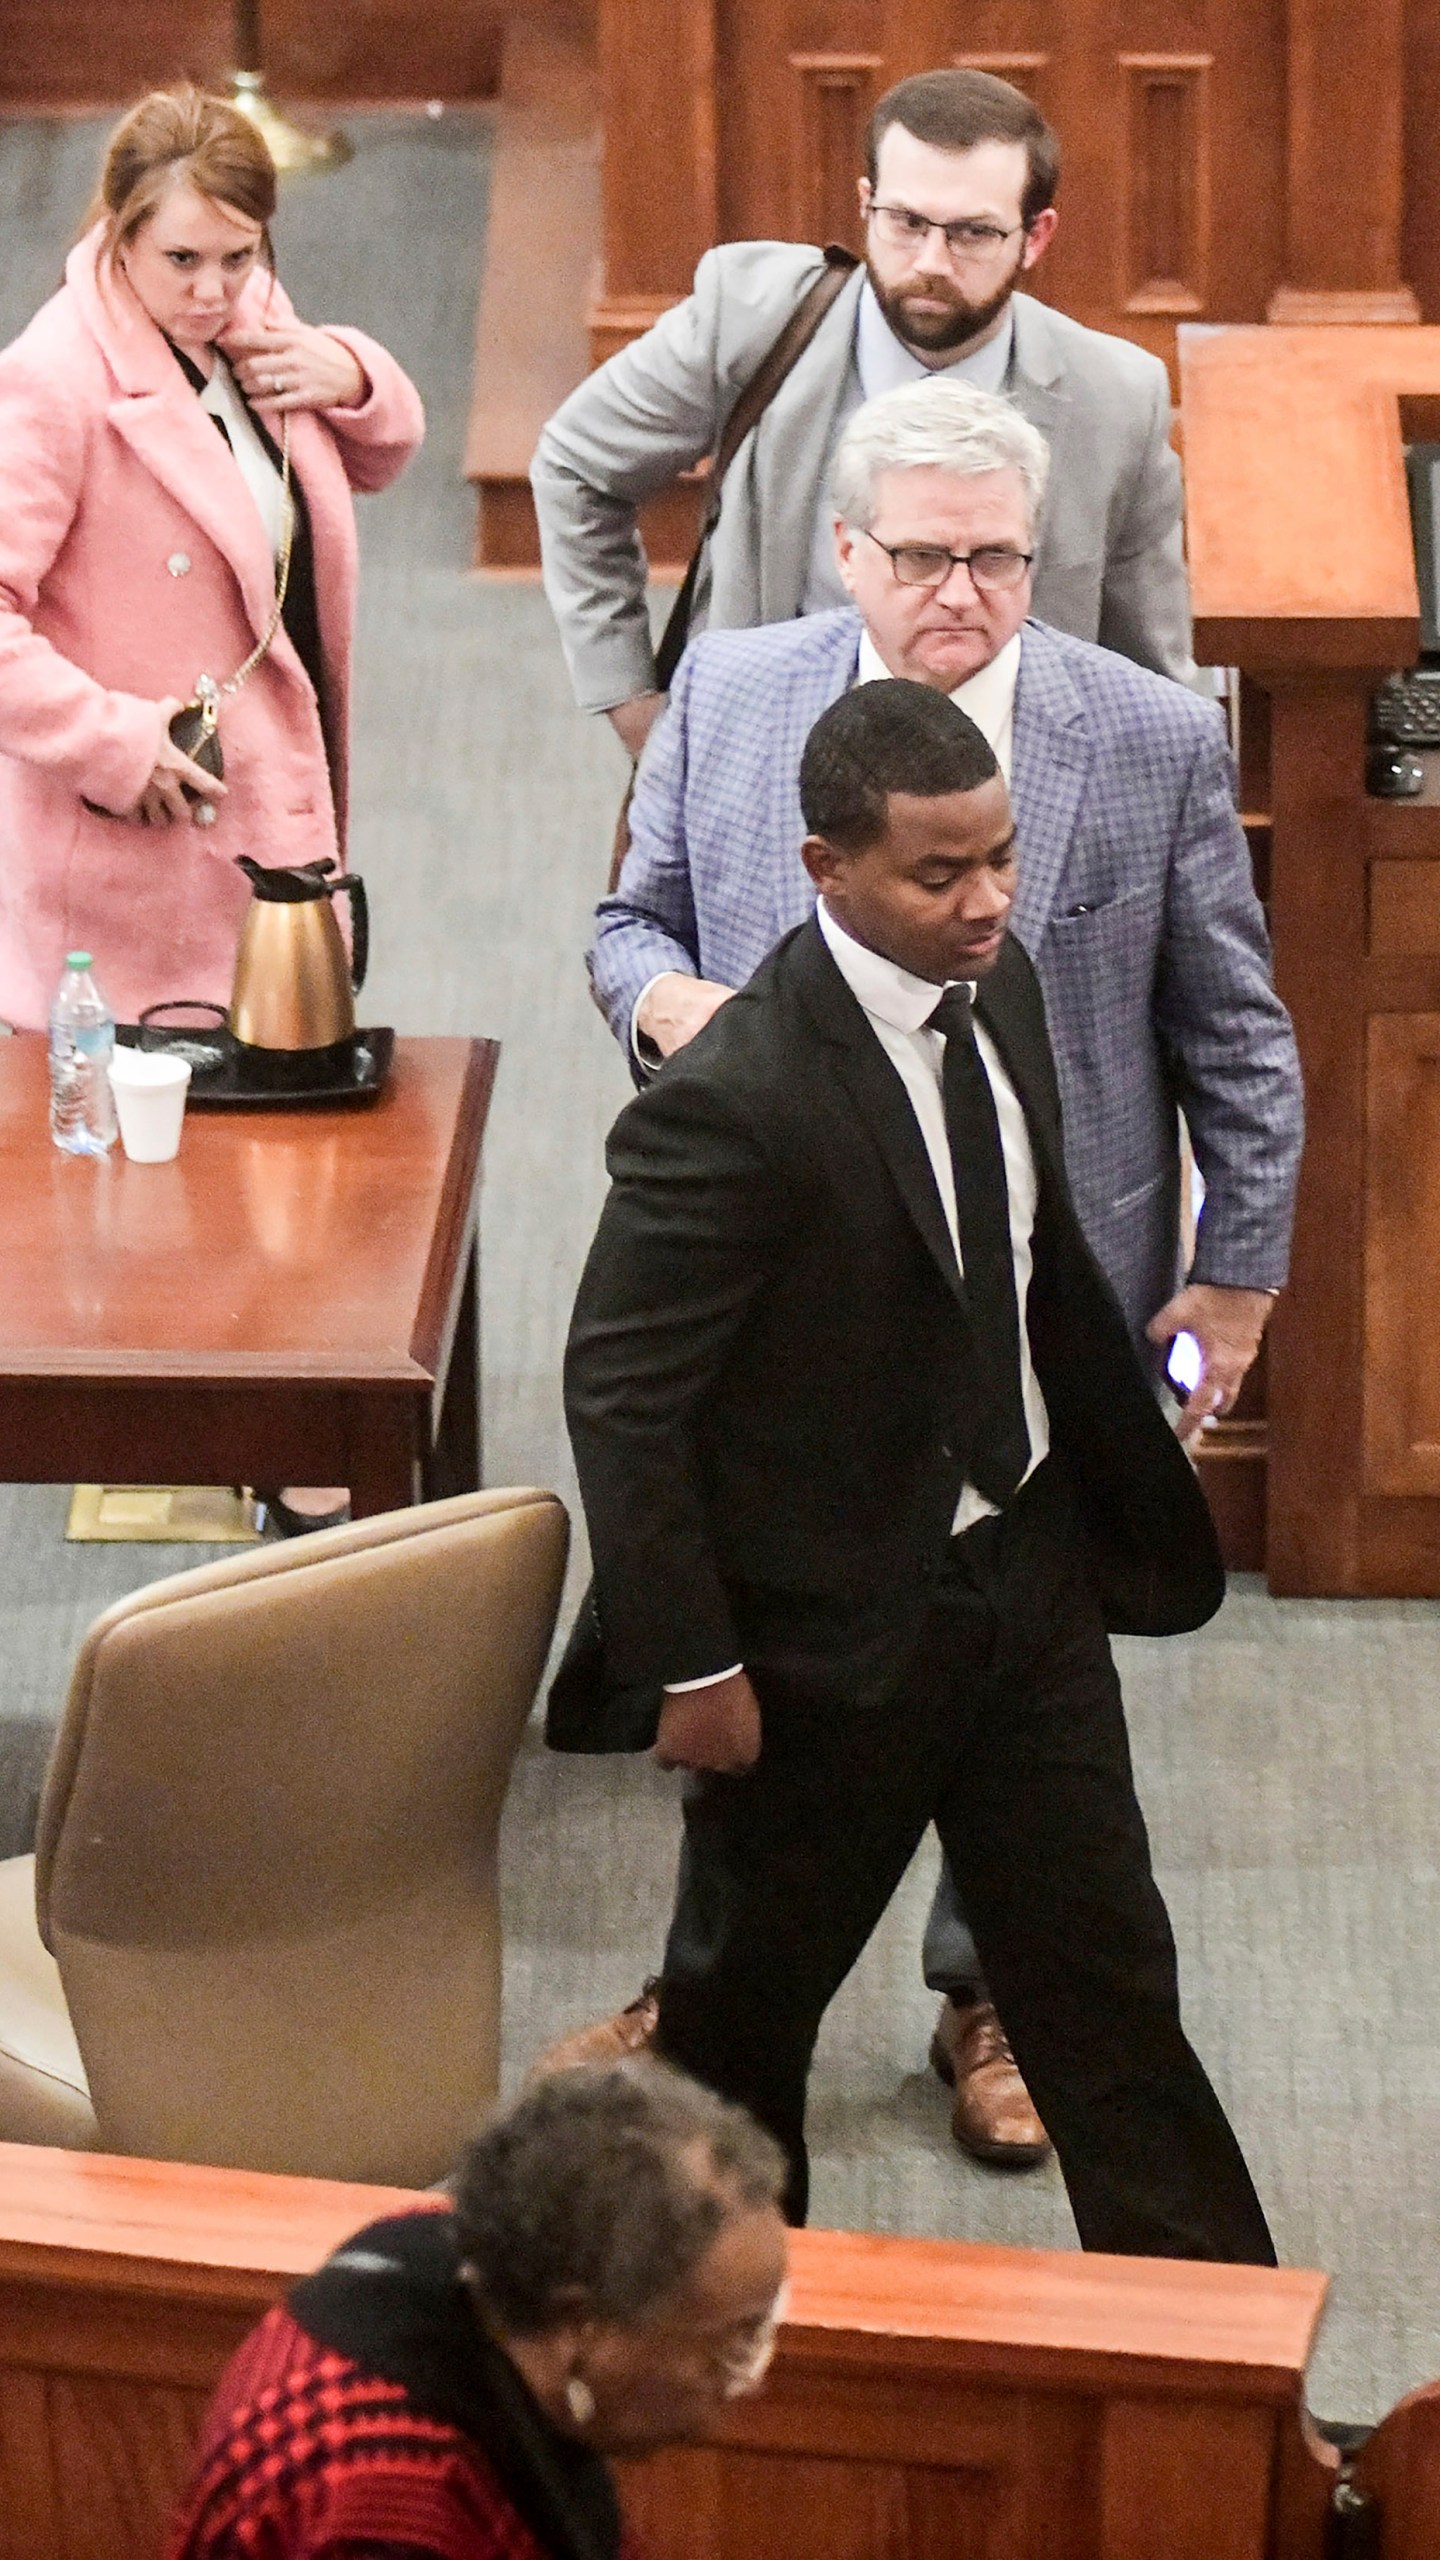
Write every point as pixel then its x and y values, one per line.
pixel 993 2116
pixel 609 2040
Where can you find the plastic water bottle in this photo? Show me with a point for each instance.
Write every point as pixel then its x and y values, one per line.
pixel 82 1044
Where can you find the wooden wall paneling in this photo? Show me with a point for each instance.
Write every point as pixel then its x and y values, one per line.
pixel 1248 115
pixel 1165 229
pixel 1172 125
pixel 1420 230
pixel 831 97
pixel 78 53
pixel 1404 908
pixel 1231 1460
pixel 658 123
pixel 1027 70
pixel 1171 120
pixel 385 49
pixel 70 53
pixel 1314 1461
pixel 1344 164
pixel 1402 1253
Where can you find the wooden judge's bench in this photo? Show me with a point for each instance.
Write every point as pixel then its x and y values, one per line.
pixel 1302 574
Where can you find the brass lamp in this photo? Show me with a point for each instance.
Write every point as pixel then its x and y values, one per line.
pixel 295 153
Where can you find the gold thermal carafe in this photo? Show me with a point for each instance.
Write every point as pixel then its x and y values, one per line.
pixel 295 982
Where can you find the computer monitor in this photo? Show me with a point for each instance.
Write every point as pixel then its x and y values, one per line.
pixel 1422 473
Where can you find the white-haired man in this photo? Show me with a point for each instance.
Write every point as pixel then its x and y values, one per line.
pixel 1135 902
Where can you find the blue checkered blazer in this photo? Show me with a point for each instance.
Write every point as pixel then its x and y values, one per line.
pixel 1135 903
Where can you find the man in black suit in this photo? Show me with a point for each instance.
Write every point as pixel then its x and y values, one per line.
pixel 869 1466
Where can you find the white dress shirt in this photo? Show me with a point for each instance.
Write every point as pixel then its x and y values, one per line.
pixel 880 363
pixel 222 399
pixel 988 697
pixel 897 1008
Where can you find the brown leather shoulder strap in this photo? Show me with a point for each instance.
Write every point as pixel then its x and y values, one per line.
pixel 773 369
pixel 782 357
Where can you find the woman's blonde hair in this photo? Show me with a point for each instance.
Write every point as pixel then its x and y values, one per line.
pixel 182 133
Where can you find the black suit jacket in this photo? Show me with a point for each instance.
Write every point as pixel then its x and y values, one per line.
pixel 770 1379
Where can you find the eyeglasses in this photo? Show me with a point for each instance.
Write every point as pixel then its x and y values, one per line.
pixel 737 2355
pixel 924 564
pixel 966 240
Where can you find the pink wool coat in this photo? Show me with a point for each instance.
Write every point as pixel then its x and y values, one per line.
pixel 132 560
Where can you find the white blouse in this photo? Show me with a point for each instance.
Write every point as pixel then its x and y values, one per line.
pixel 222 398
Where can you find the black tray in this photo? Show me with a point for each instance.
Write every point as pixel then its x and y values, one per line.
pixel 225 1075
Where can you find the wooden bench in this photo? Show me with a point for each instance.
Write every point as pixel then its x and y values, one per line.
pixel 930 2400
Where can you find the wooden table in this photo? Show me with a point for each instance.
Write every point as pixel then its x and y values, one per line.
pixel 292 1301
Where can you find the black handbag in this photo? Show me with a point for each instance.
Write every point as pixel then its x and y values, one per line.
pixel 195 730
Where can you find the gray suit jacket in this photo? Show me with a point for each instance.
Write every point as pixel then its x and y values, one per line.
pixel 1135 903
pixel 1111 565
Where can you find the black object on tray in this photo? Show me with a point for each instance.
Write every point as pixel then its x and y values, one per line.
pixel 227 1074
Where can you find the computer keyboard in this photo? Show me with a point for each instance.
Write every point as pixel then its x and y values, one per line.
pixel 1406 708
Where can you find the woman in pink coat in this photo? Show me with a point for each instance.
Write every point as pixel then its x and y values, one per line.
pixel 142 523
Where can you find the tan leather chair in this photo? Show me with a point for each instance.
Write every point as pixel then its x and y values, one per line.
pixel 266 1862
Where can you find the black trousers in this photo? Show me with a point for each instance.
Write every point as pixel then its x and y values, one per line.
pixel 1008 1732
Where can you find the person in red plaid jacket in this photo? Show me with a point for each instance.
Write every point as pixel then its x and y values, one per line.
pixel 604 2276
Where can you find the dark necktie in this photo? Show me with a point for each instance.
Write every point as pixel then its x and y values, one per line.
pixel 1000 1452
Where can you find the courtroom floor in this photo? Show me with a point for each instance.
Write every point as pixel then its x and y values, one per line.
pixel 1286 1756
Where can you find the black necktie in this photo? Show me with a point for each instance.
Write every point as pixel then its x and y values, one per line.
pixel 1000 1452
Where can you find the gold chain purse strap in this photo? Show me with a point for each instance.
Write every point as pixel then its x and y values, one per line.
pixel 208 695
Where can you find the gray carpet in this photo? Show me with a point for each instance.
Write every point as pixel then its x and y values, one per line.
pixel 1286 1757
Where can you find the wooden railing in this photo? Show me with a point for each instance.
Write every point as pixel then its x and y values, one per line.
pixel 929 2398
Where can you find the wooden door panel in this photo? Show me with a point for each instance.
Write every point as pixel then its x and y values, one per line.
pixel 830 99
pixel 1164 183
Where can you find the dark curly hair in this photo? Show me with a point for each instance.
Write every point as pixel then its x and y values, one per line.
pixel 606 2186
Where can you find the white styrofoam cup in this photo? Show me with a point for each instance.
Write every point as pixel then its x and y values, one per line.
pixel 149 1087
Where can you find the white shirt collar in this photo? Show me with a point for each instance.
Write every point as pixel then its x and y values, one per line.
pixel 882 362
pixel 987 697
pixel 880 985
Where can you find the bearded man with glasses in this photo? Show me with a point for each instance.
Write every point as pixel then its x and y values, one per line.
pixel 1134 900
pixel 958 205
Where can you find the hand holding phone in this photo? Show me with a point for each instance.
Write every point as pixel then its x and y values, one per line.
pixel 1185 1364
